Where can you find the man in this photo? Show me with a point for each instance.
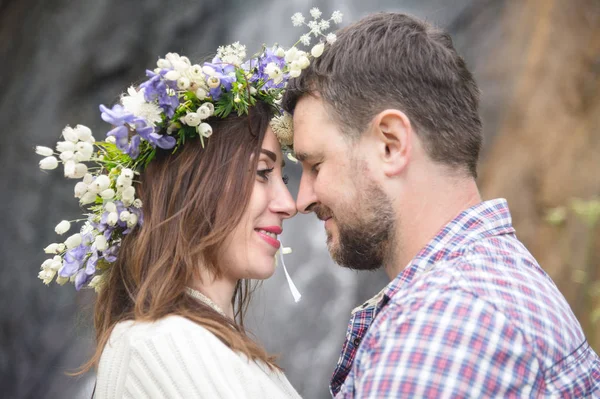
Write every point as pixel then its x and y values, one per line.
pixel 388 134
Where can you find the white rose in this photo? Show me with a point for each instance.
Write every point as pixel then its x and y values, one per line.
pixel 73 241
pixel 108 194
pixel 80 189
pixel 192 119
pixel 63 146
pixel 204 129
pixel 110 207
pixel 100 242
pixel 62 227
pixel 172 75
pixel 83 132
pixel 317 50
pixel 49 163
pixel 112 218
pixel 43 151
pixel 70 134
pixel 87 198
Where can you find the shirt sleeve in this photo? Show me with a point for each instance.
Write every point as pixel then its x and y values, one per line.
pixel 448 344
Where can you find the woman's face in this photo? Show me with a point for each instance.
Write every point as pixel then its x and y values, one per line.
pixel 249 251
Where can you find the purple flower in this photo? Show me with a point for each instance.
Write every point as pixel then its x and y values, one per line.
pixel 73 260
pixel 90 265
pixel 116 116
pixel 110 255
pixel 156 90
pixel 225 73
pixel 81 279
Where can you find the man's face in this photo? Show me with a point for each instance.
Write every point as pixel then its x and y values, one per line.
pixel 336 185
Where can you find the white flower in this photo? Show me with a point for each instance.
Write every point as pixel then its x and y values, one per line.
pixel 233 54
pixel 83 132
pixel 208 70
pixel 305 39
pixel 46 275
pixel 49 163
pixel 213 82
pixel 87 198
pixel 135 102
pixel 331 38
pixel 127 173
pixel 195 73
pixel 283 128
pixel 203 112
pixel 324 24
pixel 95 283
pixel 123 182
pixel 80 189
pixel 317 50
pixel 66 156
pixel 295 72
pixel 274 72
pixel 201 93
pixel 210 106
pixel 57 260
pixel 124 216
pixel 128 193
pixel 70 134
pixel 204 129
pixel 192 119
pixel 73 241
pixel 53 249
pixel 137 203
pixel 172 75
pixel 63 146
pixel 291 55
pixel 315 12
pixel 337 17
pixel 132 220
pixel 107 194
pixel 43 151
pixel 111 139
pixel 303 61
pixel 62 227
pixel 100 242
pixel 183 83
pixel 163 64
pixel 85 150
pixel 112 218
pixel 75 171
pixel 101 183
pixel 110 207
pixel 297 19
pixel 315 27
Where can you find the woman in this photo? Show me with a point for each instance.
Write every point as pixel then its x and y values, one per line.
pixel 184 201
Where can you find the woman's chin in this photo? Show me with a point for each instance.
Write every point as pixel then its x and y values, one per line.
pixel 262 271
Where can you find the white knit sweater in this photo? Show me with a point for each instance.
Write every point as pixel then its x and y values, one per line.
pixel 177 358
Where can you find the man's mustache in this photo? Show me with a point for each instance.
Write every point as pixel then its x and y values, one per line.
pixel 322 212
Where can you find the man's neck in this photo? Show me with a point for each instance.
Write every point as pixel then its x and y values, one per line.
pixel 423 216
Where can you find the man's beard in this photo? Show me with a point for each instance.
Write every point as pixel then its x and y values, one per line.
pixel 366 240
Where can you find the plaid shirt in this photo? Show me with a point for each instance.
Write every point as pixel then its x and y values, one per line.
pixel 472 315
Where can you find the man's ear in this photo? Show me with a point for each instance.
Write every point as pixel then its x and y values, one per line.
pixel 393 132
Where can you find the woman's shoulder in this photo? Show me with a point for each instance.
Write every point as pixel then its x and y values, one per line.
pixel 133 331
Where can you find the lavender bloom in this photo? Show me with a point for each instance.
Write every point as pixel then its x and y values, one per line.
pixel 73 260
pixel 267 58
pixel 156 90
pixel 81 279
pixel 110 255
pixel 225 73
pixel 90 265
pixel 117 116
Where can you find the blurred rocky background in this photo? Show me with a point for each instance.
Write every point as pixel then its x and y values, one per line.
pixel 536 61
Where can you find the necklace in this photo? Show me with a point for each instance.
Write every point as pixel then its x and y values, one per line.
pixel 205 300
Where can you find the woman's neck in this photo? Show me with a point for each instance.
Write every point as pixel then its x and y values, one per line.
pixel 220 291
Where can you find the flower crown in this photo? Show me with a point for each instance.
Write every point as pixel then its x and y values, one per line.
pixel 172 106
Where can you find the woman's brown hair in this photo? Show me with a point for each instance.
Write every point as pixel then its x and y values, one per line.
pixel 192 200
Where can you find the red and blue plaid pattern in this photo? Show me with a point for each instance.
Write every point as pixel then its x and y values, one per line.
pixel 472 315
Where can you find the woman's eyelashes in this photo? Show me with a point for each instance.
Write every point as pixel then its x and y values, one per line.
pixel 266 172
